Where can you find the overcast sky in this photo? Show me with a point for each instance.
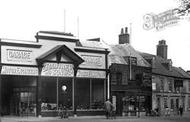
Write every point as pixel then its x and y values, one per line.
pixel 21 19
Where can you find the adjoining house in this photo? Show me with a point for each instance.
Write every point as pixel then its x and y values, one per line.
pixel 170 84
pixel 37 78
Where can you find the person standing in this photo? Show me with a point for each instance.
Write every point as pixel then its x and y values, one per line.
pixel 108 106
pixel 113 111
pixel 181 111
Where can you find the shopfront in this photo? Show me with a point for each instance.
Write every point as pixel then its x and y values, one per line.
pixel 39 78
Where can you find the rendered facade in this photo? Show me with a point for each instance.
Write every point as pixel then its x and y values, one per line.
pixel 37 78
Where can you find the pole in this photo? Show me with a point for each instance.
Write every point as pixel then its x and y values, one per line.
pixel 139 106
pixel 57 84
pixel 130 67
pixel 78 27
pixel 130 33
pixel 64 20
pixel 0 96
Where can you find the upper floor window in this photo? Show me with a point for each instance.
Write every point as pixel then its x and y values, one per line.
pixel 170 85
pixel 119 77
pixel 165 102
pixel 113 78
pixel 116 78
pixel 161 85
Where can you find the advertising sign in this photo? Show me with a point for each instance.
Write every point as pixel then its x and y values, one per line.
pixel 58 69
pixel 18 70
pixel 92 61
pixel 91 74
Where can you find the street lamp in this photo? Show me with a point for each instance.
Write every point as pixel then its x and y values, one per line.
pixel 64 88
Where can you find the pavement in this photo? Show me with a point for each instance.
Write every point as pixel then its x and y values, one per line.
pixel 185 118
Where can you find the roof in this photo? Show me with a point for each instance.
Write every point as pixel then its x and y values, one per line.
pixel 160 69
pixel 57 33
pixel 118 52
pixel 60 48
pixel 92 43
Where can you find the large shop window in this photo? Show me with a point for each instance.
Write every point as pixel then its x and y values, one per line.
pixel 90 94
pixel 133 103
pixel 53 96
pixel 18 95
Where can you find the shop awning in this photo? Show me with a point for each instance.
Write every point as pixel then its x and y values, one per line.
pixel 58 51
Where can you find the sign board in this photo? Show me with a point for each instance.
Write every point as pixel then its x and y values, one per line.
pixel 153 86
pixel 18 70
pixel 92 61
pixel 91 74
pixel 58 69
pixel 18 55
pixel 130 60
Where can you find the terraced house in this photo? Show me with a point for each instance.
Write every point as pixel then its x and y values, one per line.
pixel 170 84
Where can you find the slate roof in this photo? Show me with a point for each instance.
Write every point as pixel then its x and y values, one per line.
pixel 118 52
pixel 160 69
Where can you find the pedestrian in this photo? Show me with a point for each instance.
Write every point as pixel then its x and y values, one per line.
pixel 60 112
pixel 65 112
pixel 181 111
pixel 167 111
pixel 113 111
pixel 107 108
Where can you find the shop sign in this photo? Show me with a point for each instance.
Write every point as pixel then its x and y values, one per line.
pixel 16 55
pixel 58 69
pixel 18 70
pixel 91 74
pixel 92 61
pixel 153 86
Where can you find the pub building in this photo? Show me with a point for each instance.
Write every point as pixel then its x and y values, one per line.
pixel 37 78
pixel 130 79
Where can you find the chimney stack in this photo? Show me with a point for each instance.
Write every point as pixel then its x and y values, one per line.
pixel 124 36
pixel 162 49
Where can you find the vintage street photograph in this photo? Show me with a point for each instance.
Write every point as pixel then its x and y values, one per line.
pixel 94 61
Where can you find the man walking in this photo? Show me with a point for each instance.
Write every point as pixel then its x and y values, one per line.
pixel 108 106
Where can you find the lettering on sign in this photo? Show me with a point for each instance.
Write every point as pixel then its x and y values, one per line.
pixel 92 61
pixel 91 74
pixel 55 69
pixel 16 70
pixel 19 55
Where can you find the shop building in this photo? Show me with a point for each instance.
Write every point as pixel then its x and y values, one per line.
pixel 170 84
pixel 37 78
pixel 130 78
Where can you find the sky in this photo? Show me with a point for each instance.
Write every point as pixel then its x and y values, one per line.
pixel 22 19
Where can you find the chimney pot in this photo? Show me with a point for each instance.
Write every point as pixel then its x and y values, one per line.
pixel 122 31
pixel 126 30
